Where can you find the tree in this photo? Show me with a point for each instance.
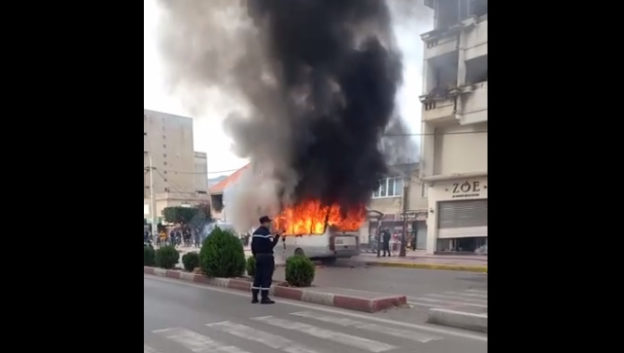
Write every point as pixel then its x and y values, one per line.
pixel 179 214
pixel 192 216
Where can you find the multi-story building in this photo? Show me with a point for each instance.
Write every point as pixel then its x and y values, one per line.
pixel 387 207
pixel 454 122
pixel 179 174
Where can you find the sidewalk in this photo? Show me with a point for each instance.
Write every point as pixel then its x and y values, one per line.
pixel 412 259
pixel 418 259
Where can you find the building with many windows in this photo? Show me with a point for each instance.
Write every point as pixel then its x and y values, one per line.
pixel 454 122
pixel 387 207
pixel 178 173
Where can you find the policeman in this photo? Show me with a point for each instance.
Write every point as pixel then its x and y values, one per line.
pixel 262 245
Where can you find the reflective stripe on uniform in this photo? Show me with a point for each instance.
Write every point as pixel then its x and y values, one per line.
pixel 261 236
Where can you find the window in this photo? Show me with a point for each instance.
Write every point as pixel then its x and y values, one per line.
pixel 477 70
pixel 164 146
pixel 389 187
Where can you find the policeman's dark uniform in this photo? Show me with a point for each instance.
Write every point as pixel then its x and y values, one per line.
pixel 262 245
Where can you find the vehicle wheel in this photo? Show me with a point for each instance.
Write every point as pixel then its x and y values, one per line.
pixel 329 260
pixel 299 251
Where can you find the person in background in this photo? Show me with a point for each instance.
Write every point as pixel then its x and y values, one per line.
pixel 262 245
pixel 386 242
pixel 163 237
pixel 197 242
pixel 187 236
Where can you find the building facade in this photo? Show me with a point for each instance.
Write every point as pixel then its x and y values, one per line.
pixel 178 173
pixel 216 194
pixel 387 207
pixel 454 122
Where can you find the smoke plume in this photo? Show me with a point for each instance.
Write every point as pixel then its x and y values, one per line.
pixel 311 85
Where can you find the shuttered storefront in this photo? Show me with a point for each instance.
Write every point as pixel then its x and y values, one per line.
pixel 465 218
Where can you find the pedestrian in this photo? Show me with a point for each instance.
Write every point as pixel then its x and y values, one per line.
pixel 262 245
pixel 196 239
pixel 187 237
pixel 163 238
pixel 386 242
pixel 178 237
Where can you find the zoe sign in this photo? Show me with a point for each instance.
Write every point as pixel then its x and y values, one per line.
pixel 467 188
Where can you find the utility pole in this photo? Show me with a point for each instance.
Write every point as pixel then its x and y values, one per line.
pixel 405 208
pixel 152 200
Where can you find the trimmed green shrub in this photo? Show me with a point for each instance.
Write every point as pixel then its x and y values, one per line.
pixel 251 266
pixel 299 271
pixel 148 256
pixel 167 257
pixel 190 261
pixel 222 254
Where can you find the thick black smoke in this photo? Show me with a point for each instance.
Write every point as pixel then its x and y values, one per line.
pixel 334 57
pixel 314 82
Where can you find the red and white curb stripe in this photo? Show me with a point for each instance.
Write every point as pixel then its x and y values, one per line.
pixel 311 295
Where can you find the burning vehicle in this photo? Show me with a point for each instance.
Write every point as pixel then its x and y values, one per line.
pixel 320 232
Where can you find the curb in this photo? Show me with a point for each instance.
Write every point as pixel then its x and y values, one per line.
pixel 481 269
pixel 459 319
pixel 301 294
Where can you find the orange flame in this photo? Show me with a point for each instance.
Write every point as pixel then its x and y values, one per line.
pixel 309 217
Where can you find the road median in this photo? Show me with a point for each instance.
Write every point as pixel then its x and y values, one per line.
pixel 338 297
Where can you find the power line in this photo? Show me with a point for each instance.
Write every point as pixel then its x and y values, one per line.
pixel 173 186
pixel 224 171
pixel 202 173
pixel 436 134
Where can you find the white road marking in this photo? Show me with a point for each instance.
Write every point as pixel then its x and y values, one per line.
pixel 266 338
pixel 410 335
pixel 196 342
pixel 429 305
pixel 148 349
pixel 456 297
pixel 464 294
pixel 338 337
pixel 450 302
pixel 430 328
pixel 477 291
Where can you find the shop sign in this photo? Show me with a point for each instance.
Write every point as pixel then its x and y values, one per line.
pixel 466 189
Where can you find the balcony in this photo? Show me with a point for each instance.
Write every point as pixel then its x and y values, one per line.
pixel 466 105
pixel 473 104
pixel 438 43
pixel 470 35
pixel 439 109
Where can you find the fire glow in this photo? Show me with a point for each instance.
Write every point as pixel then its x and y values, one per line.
pixel 309 217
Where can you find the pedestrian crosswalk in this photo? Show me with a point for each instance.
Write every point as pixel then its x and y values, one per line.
pixel 266 338
pixel 470 299
pixel 297 332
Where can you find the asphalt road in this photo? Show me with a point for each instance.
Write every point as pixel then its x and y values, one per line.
pixel 457 290
pixel 188 317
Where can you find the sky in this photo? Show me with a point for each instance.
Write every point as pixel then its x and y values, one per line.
pixel 208 134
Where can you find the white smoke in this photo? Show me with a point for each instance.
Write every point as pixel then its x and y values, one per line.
pixel 255 194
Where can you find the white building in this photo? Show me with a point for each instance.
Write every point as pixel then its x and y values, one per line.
pixel 454 120
pixel 179 174
pixel 387 206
